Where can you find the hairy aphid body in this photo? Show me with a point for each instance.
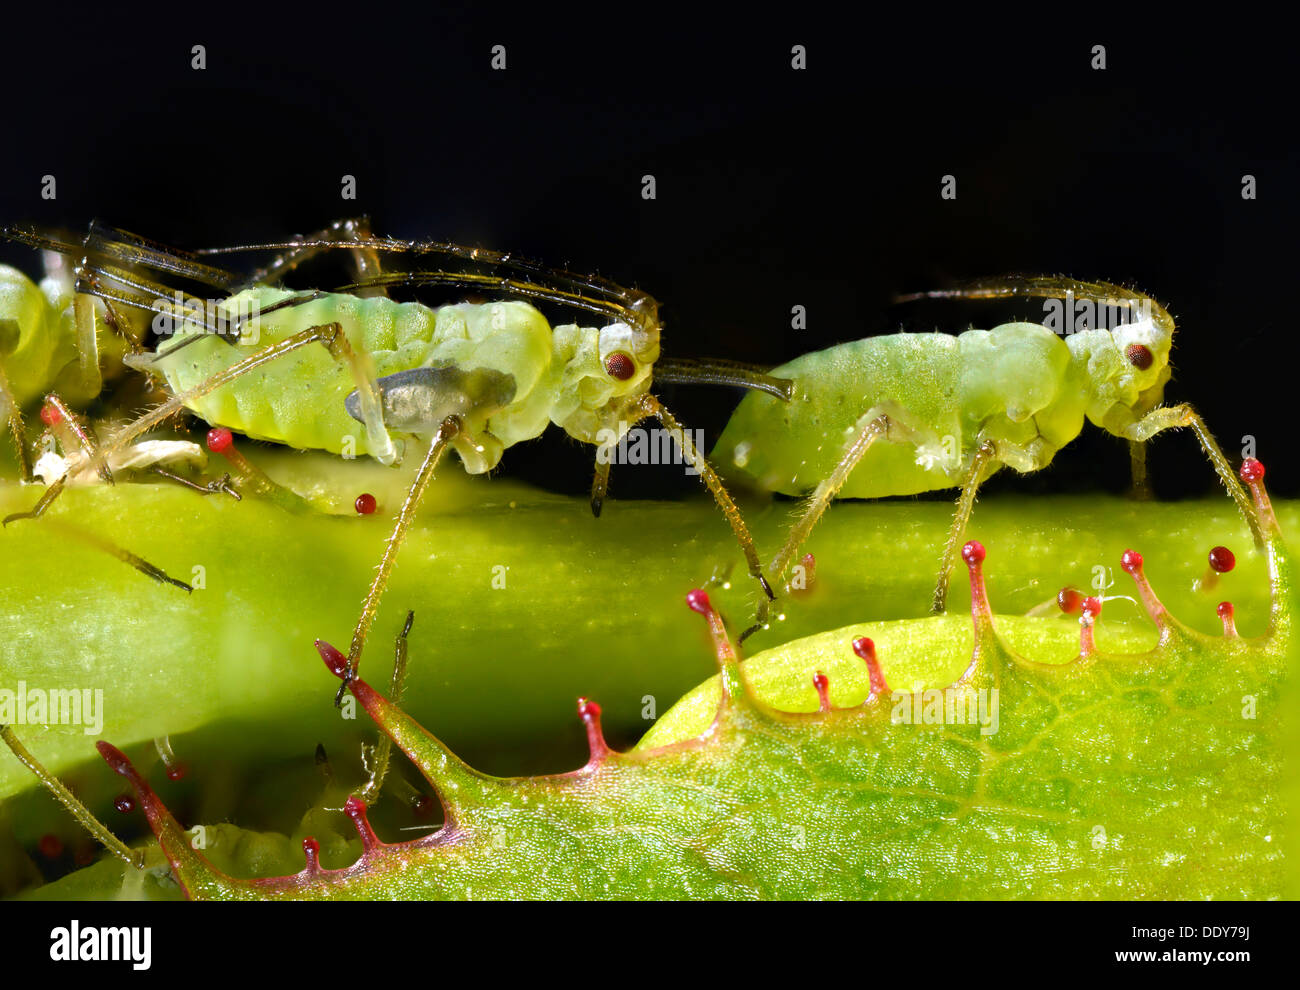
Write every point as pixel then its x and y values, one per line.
pixel 914 412
pixel 1019 385
pixel 498 366
pixel 49 340
pixel 344 370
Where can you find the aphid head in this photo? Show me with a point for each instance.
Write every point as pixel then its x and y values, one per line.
pixel 627 356
pixel 1127 366
pixel 600 370
pixel 1145 345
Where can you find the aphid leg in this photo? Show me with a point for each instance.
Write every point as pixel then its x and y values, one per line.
pixel 450 429
pixel 87 341
pixel 17 430
pixel 45 501
pixel 600 483
pixel 362 368
pixel 383 751
pixel 83 310
pixel 1173 417
pixel 86 327
pixel 984 454
pixel 1137 456
pixel 329 334
pixel 125 251
pixel 119 325
pixel 872 426
pixel 72 434
pixel 647 405
pixel 100 542
pixel 132 857
pixel 687 371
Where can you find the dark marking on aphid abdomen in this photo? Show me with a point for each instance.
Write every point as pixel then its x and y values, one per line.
pixel 419 399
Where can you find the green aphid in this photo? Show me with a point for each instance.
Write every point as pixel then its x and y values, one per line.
pixel 478 377
pixel 914 412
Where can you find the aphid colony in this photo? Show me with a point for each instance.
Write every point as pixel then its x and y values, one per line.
pixel 353 371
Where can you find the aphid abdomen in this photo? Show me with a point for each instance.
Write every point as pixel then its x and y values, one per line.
pixel 291 400
pixel 507 338
pixel 1015 384
pixel 38 342
pixel 299 399
pixel 1020 388
pixel 26 345
pixel 790 447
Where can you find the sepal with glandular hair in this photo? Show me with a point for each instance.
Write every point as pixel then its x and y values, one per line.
pixel 1151 774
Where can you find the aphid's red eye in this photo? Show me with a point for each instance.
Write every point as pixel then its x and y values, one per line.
pixel 1139 355
pixel 621 366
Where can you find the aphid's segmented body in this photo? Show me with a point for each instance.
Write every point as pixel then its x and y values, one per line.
pixel 37 342
pixel 915 412
pixel 1019 384
pixel 41 348
pixel 499 366
pixel 305 368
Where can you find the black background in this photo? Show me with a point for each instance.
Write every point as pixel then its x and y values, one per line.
pixel 1024 939
pixel 775 187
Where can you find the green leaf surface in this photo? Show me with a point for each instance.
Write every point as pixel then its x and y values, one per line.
pixel 1156 773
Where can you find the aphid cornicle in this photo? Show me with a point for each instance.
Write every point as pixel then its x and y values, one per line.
pixel 478 377
pixel 951 410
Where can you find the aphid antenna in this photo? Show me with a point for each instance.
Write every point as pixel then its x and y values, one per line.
pixel 107 254
pixel 1048 287
pixel 473 255
pixel 152 297
pixel 103 242
pixel 688 371
pixel 230 338
pixel 135 251
pixel 505 272
pixel 635 309
pixel 32 237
